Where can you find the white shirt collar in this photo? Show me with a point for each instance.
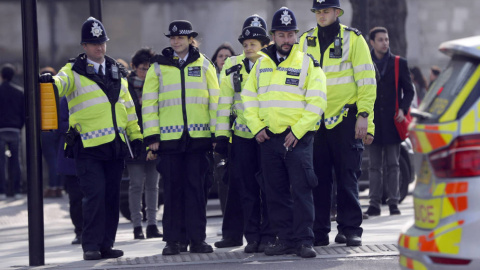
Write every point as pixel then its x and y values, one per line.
pixel 251 64
pixel 96 65
pixel 279 56
pixel 184 59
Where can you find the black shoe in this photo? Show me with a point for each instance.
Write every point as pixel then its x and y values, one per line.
pixel 321 241
pixel 227 242
pixel 340 238
pixel 261 248
pixel 171 248
pixel 251 247
pixel 394 210
pixel 111 253
pixel 373 211
pixel 183 247
pixel 92 255
pixel 279 249
pixel 354 241
pixel 153 232
pixel 138 233
pixel 77 240
pixel 306 251
pixel 201 247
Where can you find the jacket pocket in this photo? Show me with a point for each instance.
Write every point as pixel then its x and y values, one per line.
pixel 311 177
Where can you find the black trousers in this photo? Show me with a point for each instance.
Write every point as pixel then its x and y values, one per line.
pixel 100 184
pixel 75 196
pixel 289 179
pixel 184 213
pixel 337 148
pixel 246 195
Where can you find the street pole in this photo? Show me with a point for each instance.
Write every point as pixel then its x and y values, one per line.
pixel 36 244
pixel 96 9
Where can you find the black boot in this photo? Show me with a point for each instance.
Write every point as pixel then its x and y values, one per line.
pixel 138 233
pixel 153 232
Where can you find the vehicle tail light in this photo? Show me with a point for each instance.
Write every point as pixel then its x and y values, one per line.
pixel 446 260
pixel 460 159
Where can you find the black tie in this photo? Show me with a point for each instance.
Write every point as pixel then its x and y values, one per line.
pixel 181 62
pixel 281 60
pixel 100 71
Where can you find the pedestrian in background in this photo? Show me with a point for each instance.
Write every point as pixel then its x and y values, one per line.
pixel 102 121
pixel 344 56
pixel 68 176
pixel 386 146
pixel 143 175
pixel 284 98
pixel 180 99
pixel 12 112
pixel 220 55
pixel 434 73
pixel 419 82
pixel 246 200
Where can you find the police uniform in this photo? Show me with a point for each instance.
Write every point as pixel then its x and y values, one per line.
pixel 101 111
pixel 346 61
pixel 281 98
pixel 244 187
pixel 179 105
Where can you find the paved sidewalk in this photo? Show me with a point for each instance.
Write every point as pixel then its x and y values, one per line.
pixel 379 239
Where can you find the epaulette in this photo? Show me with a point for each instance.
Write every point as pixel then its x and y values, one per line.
pixel 72 60
pixel 315 62
pixel 355 30
pixel 156 58
pixel 123 70
pixel 233 69
pixel 309 30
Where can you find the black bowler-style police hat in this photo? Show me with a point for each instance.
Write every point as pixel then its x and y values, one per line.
pixel 254 27
pixel 181 28
pixel 255 20
pixel 284 20
pixel 93 32
pixel 323 4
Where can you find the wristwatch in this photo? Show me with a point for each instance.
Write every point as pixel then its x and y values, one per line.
pixel 363 114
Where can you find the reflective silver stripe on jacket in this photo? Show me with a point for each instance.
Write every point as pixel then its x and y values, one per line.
pixel 251 104
pixel 366 81
pixel 281 88
pixel 178 101
pixel 150 96
pixel 303 73
pixel 83 90
pixel 150 124
pixel 282 104
pixel 363 67
pixel 340 80
pixel 65 85
pixel 223 126
pixel 158 71
pixel 315 93
pixel 338 68
pixel 346 45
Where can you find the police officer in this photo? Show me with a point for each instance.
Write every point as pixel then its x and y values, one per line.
pixel 102 119
pixel 179 105
pixel 284 97
pixel 346 61
pixel 244 189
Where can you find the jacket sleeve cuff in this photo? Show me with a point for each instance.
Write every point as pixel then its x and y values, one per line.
pixel 151 139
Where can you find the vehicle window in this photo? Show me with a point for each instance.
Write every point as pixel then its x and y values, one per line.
pixel 448 85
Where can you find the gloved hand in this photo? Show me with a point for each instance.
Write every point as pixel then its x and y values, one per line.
pixel 137 148
pixel 221 146
pixel 45 78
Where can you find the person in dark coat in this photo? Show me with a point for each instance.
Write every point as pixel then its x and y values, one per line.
pixel 68 175
pixel 386 145
pixel 12 119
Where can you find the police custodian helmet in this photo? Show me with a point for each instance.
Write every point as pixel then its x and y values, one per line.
pixel 93 31
pixel 181 28
pixel 323 4
pixel 254 27
pixel 284 20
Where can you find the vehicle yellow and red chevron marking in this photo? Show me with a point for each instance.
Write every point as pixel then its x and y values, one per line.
pixel 411 263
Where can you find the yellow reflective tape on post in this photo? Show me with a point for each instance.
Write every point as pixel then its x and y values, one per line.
pixel 452 111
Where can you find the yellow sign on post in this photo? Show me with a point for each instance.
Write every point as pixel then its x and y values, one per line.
pixel 48 106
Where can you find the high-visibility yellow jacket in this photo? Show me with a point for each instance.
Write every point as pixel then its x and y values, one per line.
pixel 98 117
pixel 350 77
pixel 179 104
pixel 230 101
pixel 292 94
